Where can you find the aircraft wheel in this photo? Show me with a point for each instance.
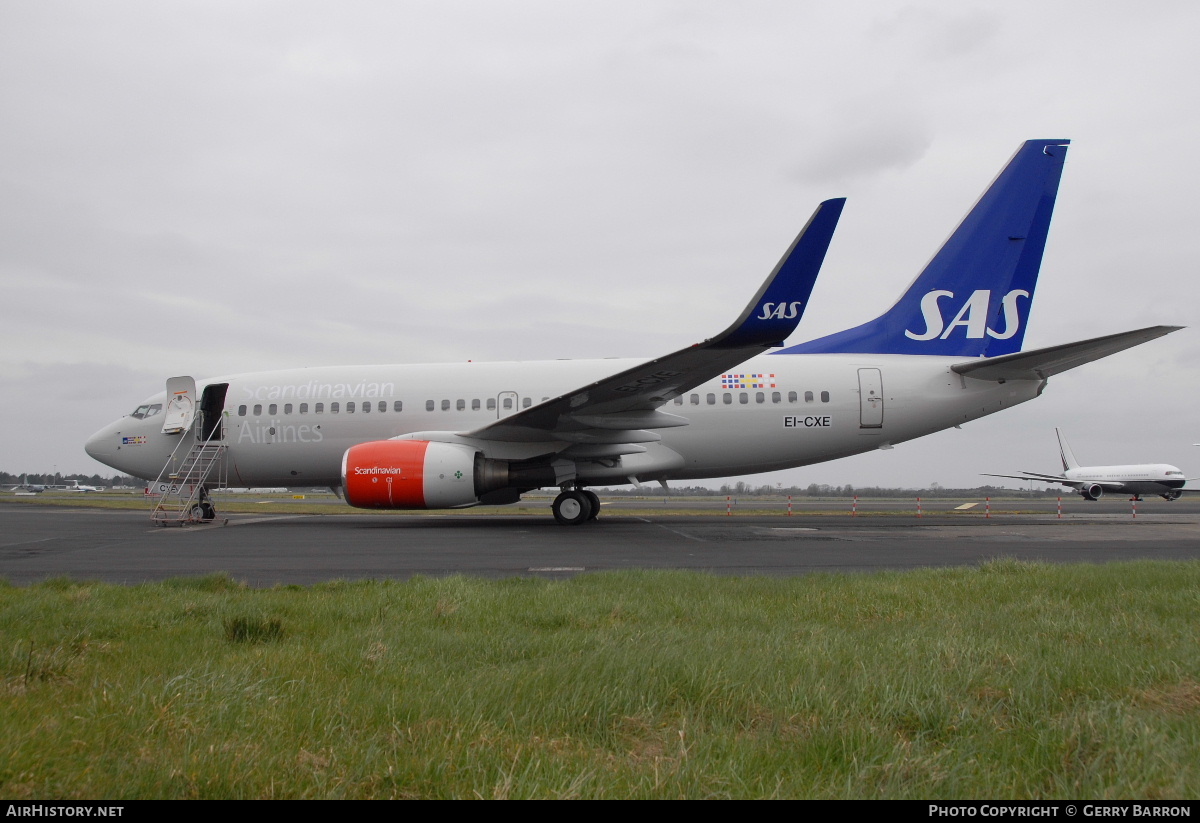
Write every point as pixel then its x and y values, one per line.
pixel 594 499
pixel 194 513
pixel 572 508
pixel 208 512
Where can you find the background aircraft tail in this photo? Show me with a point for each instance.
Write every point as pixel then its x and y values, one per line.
pixel 1064 449
pixel 974 296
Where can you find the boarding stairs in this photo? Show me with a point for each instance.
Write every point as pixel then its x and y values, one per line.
pixel 195 467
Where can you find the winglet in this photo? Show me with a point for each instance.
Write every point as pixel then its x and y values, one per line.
pixel 776 310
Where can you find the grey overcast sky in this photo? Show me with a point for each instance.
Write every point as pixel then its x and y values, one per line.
pixel 214 187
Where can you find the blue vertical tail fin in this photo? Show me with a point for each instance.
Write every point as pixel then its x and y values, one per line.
pixel 974 296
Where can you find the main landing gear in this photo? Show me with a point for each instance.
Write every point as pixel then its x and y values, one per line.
pixel 575 506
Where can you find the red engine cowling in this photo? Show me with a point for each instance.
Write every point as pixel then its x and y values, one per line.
pixel 409 474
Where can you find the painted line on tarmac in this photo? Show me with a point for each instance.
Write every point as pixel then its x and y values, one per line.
pixel 217 524
pixel 672 531
pixel 27 542
pixel 270 519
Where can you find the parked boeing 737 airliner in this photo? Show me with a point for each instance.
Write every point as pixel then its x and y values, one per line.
pixel 455 435
pixel 1093 481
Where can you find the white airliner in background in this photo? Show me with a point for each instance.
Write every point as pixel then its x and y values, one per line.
pixel 76 486
pixel 1093 481
pixel 452 435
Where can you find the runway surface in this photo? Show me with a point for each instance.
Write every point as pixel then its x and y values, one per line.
pixel 118 546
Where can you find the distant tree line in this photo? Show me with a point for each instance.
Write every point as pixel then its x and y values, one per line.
pixel 59 479
pixel 743 489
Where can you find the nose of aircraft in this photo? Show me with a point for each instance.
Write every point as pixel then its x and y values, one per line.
pixel 99 445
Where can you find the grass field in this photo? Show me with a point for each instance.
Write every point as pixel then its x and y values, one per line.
pixel 1007 681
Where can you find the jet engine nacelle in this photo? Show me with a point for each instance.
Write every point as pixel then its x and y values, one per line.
pixel 1092 492
pixel 410 474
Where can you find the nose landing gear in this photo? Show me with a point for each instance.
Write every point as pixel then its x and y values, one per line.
pixel 203 511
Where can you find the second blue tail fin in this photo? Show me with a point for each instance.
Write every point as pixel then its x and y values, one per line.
pixel 973 297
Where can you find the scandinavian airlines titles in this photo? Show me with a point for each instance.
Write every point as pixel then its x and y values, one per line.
pixel 312 390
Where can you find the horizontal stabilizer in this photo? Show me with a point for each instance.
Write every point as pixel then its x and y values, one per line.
pixel 1042 363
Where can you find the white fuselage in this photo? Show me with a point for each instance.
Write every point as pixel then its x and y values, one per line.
pixel 1147 478
pixel 291 428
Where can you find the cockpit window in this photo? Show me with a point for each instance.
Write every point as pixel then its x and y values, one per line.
pixel 146 410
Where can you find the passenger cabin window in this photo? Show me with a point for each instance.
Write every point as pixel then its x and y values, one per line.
pixel 366 407
pixel 287 408
pixel 776 397
pixel 257 409
pixel 711 398
pixel 319 408
pixel 382 405
pixel 460 405
pixel 491 404
pixel 678 401
pixel 273 409
pixel 304 408
pixel 445 405
pixel 791 397
pixel 743 398
pixel 398 406
pixel 350 407
pixel 808 397
pixel 508 404
pixel 241 411
pixel 428 405
pixel 695 398
pixel 526 402
pixel 333 408
pixel 824 397
pixel 759 397
pixel 727 399
pixel 475 404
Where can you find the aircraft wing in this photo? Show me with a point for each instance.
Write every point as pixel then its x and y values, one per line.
pixel 1039 364
pixel 1044 478
pixel 1110 485
pixel 619 408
